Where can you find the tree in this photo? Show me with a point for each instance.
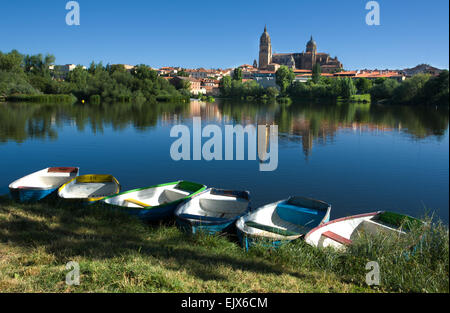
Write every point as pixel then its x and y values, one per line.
pixel 363 85
pixel 284 77
pixel 348 88
pixel 11 62
pixel 183 73
pixel 384 89
pixel 237 74
pixel 271 92
pixel 38 64
pixel 316 72
pixel 410 91
pixel 181 83
pixel 143 71
pixel 225 86
pixel 436 90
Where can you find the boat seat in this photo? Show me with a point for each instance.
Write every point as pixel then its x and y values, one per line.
pixel 203 218
pixel 272 229
pixel 62 170
pixel 338 238
pixel 299 215
pixel 137 202
pixel 170 195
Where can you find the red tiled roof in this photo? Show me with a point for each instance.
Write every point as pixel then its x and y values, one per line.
pixel 346 73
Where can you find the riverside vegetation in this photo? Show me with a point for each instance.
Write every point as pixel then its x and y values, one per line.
pixel 421 89
pixel 28 78
pixel 118 253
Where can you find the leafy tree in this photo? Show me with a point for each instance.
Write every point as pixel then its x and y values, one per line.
pixel 284 77
pixel 225 86
pixel 363 85
pixel 181 83
pixel 383 89
pixel 79 77
pixel 11 62
pixel 272 92
pixel 316 72
pixel 237 74
pixel 182 73
pixel 143 71
pixel 348 88
pixel 410 91
pixel 38 64
pixel 436 90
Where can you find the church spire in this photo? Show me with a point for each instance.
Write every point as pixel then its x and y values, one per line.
pixel 265 28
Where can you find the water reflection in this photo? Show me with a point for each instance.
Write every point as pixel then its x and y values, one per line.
pixel 306 124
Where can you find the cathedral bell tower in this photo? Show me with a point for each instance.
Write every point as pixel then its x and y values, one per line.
pixel 265 50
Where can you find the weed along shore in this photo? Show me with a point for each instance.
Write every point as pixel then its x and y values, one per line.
pixel 119 253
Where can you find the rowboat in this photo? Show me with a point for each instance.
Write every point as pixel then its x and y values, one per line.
pixel 341 232
pixel 90 188
pixel 154 202
pixel 212 211
pixel 277 223
pixel 41 184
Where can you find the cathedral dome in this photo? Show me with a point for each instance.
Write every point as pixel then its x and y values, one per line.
pixel 311 45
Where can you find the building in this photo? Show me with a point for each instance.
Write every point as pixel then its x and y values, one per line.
pixel 304 60
pixel 127 67
pixel 211 86
pixel 265 78
pixel 421 69
pixel 61 71
pixel 167 70
pixel 195 85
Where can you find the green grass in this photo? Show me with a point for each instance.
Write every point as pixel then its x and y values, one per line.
pixel 361 98
pixel 118 253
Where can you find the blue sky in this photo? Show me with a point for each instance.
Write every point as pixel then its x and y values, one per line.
pixel 215 34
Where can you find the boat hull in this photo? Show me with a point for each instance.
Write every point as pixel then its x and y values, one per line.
pixel 195 227
pixel 30 195
pixel 248 241
pixel 41 184
pixel 212 211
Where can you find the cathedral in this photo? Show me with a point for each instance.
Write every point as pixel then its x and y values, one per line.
pixel 299 61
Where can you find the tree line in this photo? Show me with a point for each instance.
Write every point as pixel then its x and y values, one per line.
pixel 29 77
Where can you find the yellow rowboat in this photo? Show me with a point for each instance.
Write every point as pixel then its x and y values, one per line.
pixel 90 188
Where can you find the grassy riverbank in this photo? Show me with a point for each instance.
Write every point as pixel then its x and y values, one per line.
pixel 117 253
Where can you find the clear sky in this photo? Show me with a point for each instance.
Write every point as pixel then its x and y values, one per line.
pixel 215 34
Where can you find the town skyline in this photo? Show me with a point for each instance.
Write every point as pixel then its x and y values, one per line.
pixel 231 37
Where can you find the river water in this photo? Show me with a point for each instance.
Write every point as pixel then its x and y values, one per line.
pixel 358 157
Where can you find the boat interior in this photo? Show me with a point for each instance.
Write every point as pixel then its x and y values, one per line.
pixel 44 180
pixel 91 190
pixel 286 218
pixel 373 227
pixel 149 197
pixel 217 205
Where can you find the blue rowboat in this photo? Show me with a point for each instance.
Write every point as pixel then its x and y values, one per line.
pixel 41 184
pixel 212 211
pixel 89 188
pixel 155 202
pixel 280 222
